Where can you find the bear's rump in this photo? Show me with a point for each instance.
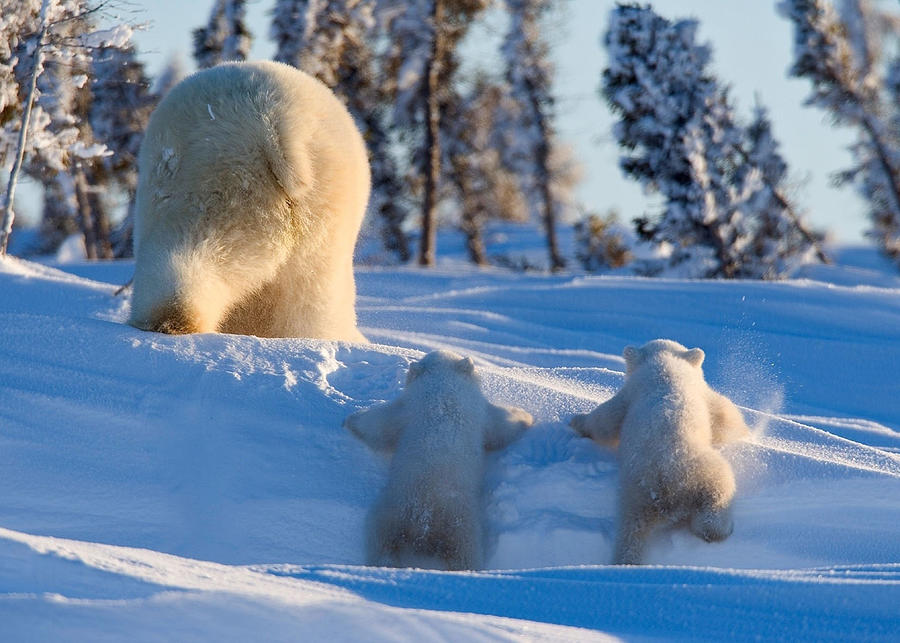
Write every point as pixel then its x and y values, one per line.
pixel 681 485
pixel 432 527
pixel 423 530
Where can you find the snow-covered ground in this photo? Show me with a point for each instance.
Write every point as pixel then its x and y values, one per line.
pixel 202 488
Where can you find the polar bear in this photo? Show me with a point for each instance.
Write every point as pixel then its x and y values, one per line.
pixel 253 182
pixel 666 420
pixel 429 513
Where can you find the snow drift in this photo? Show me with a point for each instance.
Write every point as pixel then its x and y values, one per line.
pixel 201 486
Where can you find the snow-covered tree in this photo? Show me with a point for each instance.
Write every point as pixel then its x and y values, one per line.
pixel 58 216
pixel 529 74
pixel 422 37
pixel 484 188
pixel 121 103
pixel 680 138
pixel 65 98
pixel 225 37
pixel 45 67
pixel 19 30
pixel 290 29
pixel 780 236
pixel 841 52
pixel 387 200
pixel 323 36
pixel 658 85
pixel 416 49
pixel 120 107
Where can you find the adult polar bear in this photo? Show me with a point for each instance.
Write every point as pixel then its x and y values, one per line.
pixel 667 421
pixel 252 188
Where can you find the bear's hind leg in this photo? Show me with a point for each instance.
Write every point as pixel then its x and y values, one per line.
pixel 634 529
pixel 455 538
pixel 386 537
pixel 714 487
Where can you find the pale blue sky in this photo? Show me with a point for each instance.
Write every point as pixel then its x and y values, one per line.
pixel 752 52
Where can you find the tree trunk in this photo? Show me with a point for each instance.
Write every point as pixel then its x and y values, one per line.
pixel 85 216
pixel 543 160
pixel 547 204
pixel 428 241
pixel 470 224
pixel 471 227
pixel 8 214
pixel 392 235
pixel 889 171
pixel 101 226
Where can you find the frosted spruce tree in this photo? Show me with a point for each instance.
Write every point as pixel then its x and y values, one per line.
pixel 842 53
pixel 225 37
pixel 680 138
pixel 415 51
pixel 289 29
pixel 121 103
pixel 334 40
pixel 322 36
pixel 48 45
pixel 780 237
pixel 22 34
pixel 658 85
pixel 529 74
pixel 65 98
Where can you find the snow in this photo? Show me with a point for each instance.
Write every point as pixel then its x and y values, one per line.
pixel 201 487
pixel 118 37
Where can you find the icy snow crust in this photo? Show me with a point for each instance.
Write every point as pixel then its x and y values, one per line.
pixel 201 487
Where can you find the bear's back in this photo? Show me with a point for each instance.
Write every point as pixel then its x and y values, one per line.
pixel 444 432
pixel 667 410
pixel 241 117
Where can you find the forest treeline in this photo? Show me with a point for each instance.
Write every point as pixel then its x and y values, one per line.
pixel 457 143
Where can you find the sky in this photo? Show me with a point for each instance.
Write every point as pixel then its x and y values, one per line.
pixel 751 52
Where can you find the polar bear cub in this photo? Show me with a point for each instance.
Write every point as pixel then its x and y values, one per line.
pixel 252 187
pixel 667 420
pixel 429 513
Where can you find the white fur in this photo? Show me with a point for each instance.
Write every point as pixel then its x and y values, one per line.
pixel 429 513
pixel 253 185
pixel 666 420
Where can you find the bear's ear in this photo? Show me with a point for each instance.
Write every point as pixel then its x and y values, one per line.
pixel 631 355
pixel 695 356
pixel 465 366
pixel 415 369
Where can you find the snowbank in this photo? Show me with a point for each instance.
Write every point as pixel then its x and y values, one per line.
pixel 200 487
